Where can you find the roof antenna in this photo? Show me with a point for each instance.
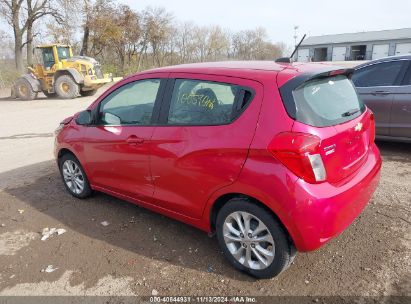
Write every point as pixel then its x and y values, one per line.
pixel 288 59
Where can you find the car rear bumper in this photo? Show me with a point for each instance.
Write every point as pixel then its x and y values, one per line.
pixel 322 211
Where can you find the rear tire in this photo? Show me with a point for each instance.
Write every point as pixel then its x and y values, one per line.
pixel 49 95
pixel 66 87
pixel 261 254
pixel 88 93
pixel 73 176
pixel 23 90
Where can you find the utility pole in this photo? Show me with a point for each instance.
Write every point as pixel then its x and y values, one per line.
pixel 295 38
pixel 295 35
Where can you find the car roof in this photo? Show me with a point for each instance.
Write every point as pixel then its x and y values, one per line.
pixel 385 59
pixel 257 70
pixel 225 65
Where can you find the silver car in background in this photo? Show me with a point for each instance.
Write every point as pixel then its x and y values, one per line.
pixel 385 87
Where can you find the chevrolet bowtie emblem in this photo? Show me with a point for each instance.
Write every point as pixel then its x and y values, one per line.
pixel 358 127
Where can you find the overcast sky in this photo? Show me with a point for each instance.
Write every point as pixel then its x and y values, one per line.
pixel 314 17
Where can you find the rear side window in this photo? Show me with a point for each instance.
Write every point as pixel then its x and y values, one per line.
pixel 327 101
pixel 199 102
pixel 381 74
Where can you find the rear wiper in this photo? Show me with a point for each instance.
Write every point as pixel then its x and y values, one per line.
pixel 350 112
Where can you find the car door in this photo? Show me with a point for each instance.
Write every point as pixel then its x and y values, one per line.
pixel 117 147
pixel 204 140
pixel 377 85
pixel 401 108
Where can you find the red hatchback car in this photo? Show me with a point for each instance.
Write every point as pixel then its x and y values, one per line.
pixel 273 158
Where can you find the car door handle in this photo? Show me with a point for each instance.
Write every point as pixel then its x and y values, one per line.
pixel 134 140
pixel 380 93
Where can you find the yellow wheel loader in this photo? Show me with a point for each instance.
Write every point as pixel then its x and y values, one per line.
pixel 58 73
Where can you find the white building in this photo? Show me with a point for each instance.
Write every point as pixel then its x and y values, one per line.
pixel 356 46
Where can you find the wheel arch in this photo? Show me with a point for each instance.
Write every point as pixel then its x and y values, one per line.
pixel 73 73
pixel 34 83
pixel 64 151
pixel 223 199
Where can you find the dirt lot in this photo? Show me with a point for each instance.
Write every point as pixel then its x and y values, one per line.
pixel 140 252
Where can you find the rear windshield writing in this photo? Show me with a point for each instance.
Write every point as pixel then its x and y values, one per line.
pixel 327 101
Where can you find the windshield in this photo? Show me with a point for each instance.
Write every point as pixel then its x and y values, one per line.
pixel 63 52
pixel 327 101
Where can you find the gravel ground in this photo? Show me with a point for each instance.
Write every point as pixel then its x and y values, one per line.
pixel 143 253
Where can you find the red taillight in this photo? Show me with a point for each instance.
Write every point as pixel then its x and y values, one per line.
pixel 300 153
pixel 372 128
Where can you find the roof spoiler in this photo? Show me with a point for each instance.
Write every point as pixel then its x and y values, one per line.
pixel 289 59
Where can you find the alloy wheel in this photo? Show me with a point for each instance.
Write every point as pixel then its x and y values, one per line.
pixel 249 240
pixel 73 176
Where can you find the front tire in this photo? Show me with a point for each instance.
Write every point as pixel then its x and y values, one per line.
pixel 23 90
pixel 66 87
pixel 88 93
pixel 252 239
pixel 74 177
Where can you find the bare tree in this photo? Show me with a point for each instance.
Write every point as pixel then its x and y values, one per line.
pixel 87 5
pixel 101 28
pixel 254 45
pixel 21 16
pixel 125 40
pixel 36 10
pixel 64 30
pixel 126 33
pixel 201 42
pixel 3 36
pixel 218 44
pixel 158 27
pixel 11 10
pixel 5 43
pixel 183 38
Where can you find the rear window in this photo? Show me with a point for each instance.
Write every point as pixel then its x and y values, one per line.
pixel 327 101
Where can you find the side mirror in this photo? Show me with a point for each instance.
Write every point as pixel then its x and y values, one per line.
pixel 84 118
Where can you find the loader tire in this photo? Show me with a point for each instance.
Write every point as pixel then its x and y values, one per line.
pixel 23 90
pixel 88 93
pixel 49 95
pixel 66 87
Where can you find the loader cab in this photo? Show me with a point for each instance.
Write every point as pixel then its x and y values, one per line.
pixel 49 55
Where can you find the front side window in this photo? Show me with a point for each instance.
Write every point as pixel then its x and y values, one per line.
pixel 327 101
pixel 63 52
pixel 199 102
pixel 381 74
pixel 131 104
